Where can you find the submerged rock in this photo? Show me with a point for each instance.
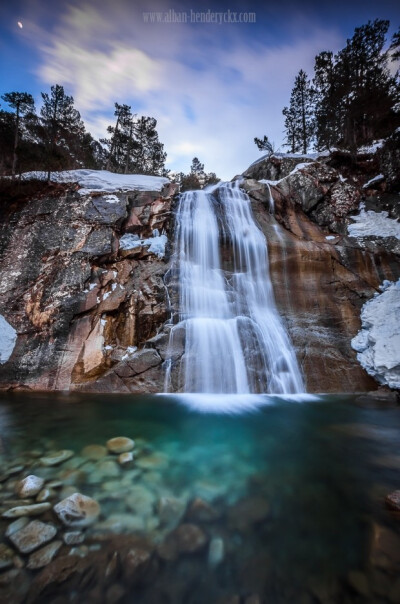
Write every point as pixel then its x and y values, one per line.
pixel 120 444
pixel 6 557
pixel 44 555
pixel 27 510
pixel 393 501
pixel 56 458
pixel 32 536
pixel 29 486
pixel 77 510
pixel 94 452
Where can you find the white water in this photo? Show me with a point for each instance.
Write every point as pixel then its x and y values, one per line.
pixel 234 339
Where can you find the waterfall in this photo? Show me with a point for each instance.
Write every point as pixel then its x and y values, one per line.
pixel 234 339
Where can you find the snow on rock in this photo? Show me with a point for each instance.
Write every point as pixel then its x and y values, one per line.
pixel 378 342
pixel 157 243
pixel 102 180
pixel 376 180
pixel 370 223
pixel 8 336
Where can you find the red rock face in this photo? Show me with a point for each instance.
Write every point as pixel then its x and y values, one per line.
pixel 82 311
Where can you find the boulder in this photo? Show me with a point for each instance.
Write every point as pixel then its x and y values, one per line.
pixel 120 444
pixel 32 536
pixel 29 486
pixel 77 510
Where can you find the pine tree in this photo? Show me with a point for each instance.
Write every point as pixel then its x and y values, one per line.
pixel 264 144
pixel 197 167
pixel 120 139
pixel 356 94
pixel 23 104
pixel 62 127
pixel 292 139
pixel 299 122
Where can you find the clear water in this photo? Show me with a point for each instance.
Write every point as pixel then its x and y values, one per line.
pixel 296 489
pixel 234 338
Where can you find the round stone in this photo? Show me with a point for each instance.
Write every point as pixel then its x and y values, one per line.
pixel 29 486
pixel 120 444
pixel 94 452
pixel 77 510
pixel 125 458
pixel 56 458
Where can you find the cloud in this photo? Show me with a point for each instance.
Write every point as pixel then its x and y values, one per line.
pixel 210 91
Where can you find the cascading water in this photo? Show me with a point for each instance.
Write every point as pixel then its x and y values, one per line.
pixel 234 339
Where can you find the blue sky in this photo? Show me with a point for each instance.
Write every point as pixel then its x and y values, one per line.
pixel 212 87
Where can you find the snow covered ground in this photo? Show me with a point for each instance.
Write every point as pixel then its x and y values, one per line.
pixel 8 336
pixel 375 224
pixel 378 342
pixel 102 180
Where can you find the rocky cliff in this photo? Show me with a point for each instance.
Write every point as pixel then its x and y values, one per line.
pixel 83 304
pixel 322 277
pixel 82 276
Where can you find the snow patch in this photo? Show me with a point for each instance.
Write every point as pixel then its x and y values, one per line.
pixel 129 351
pixel 370 223
pixel 374 180
pixel 8 336
pixel 378 342
pixel 330 237
pixel 157 243
pixel 103 180
pixel 110 198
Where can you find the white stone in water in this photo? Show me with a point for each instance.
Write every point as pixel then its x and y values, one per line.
pixel 125 458
pixel 77 510
pixel 44 555
pixel 27 510
pixel 216 551
pixel 56 458
pixel 30 486
pixel 32 536
pixel 120 444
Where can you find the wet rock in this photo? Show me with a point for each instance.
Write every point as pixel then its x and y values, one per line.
pixel 120 444
pixel 94 452
pixel 140 500
pixel 152 462
pixel 186 539
pixel 216 551
pixel 135 563
pixel 381 399
pixel 124 459
pixel 108 468
pixel 16 525
pixel 201 511
pixel 35 509
pixel 54 484
pixel 56 458
pixel 44 495
pixel 29 486
pixel 6 557
pixel 14 470
pixel 32 536
pixel 44 555
pixel 385 548
pixel 121 523
pixel 171 510
pixel 393 501
pixel 73 538
pixel 77 510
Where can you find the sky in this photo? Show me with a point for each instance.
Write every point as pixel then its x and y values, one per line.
pixel 212 86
